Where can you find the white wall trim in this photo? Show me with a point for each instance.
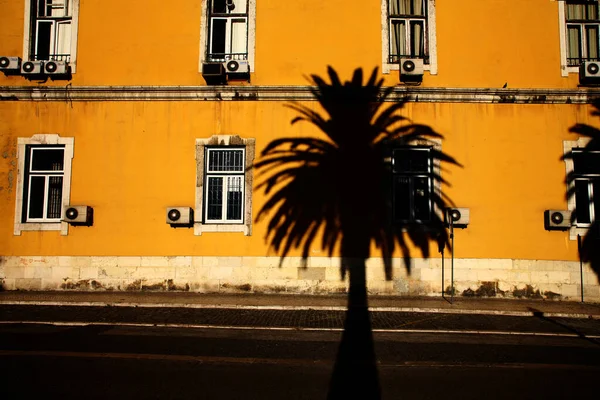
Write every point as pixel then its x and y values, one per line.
pixel 431 40
pixel 224 140
pixel 74 33
pixel 251 33
pixel 63 227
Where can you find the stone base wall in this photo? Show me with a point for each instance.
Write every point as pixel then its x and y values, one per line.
pixel 321 275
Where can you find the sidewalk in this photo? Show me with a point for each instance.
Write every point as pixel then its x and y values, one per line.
pixel 461 305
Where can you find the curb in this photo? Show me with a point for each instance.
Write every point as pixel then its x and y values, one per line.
pixel 510 313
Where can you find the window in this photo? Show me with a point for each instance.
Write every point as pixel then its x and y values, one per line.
pixel 586 174
pixel 580 33
pixel 409 32
pixel 228 31
pixel 43 183
pixel 51 30
pixel 224 184
pixel 412 169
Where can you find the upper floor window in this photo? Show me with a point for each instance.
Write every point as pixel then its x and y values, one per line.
pixel 408 28
pixel 582 23
pixel 586 173
pixel 413 185
pixel 228 30
pixel 51 30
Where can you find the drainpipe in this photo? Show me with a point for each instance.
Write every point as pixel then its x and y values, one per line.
pixel 580 263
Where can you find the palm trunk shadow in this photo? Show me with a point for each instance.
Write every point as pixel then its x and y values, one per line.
pixel 355 372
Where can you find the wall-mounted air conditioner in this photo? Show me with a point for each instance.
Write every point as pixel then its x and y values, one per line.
pixel 557 220
pixel 56 67
pixel 32 68
pixel 79 215
pixel 460 217
pixel 10 64
pixel 237 68
pixel 411 70
pixel 589 72
pixel 180 216
pixel 214 73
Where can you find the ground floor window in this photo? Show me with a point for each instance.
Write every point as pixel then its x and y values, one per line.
pixel 412 169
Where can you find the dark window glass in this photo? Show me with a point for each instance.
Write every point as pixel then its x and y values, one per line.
pixel 401 198
pixel 43 40
pixel 411 160
pixel 219 6
pixel 47 160
pixel 586 162
pixel 226 160
pixel 422 199
pixel 215 198
pixel 55 196
pixel 36 197
pixel 218 36
pixel 582 201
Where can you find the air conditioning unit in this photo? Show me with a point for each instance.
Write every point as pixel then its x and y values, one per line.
pixel 79 215
pixel 180 216
pixel 56 67
pixel 557 220
pixel 460 217
pixel 214 73
pixel 10 63
pixel 237 67
pixel 32 67
pixel 589 72
pixel 411 70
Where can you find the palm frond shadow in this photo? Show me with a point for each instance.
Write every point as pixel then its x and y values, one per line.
pixel 589 251
pixel 338 190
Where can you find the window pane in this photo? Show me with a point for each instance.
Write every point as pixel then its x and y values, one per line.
pixel 47 159
pixel 44 34
pixel 219 6
pixel 55 197
pixel 63 41
pixel 574 44
pixel 582 201
pixel 225 160
pixel 214 201
pixel 592 41
pixel 401 199
pixel 217 38
pixel 575 11
pixel 416 33
pixel 421 199
pixel 592 11
pixel 36 196
pixel 238 36
pixel 397 39
pixel 234 198
pixel 411 160
pixel 239 6
pixel 586 162
pixel 596 195
pixel 407 7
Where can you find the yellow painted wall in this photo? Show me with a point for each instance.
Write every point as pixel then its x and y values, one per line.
pixel 480 43
pixel 133 159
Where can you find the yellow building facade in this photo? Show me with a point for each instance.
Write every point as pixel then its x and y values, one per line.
pixel 134 101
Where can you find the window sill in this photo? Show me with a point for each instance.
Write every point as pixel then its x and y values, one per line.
pixel 63 227
pixel 200 228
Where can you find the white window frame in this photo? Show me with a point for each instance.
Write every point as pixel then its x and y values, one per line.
pixel 27 37
pixel 568 146
pixel 46 175
pixel 430 40
pixel 562 20
pixel 42 225
pixel 224 175
pixel 205 34
pixel 233 141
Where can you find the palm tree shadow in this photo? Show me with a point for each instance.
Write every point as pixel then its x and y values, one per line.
pixel 586 161
pixel 339 191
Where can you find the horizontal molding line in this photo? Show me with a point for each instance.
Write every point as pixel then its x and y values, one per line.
pixel 290 93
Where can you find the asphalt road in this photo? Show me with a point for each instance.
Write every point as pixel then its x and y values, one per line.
pixel 269 354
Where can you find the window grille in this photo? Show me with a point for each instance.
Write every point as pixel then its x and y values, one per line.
pixel 583 32
pixel 224 197
pixel 412 169
pixel 44 184
pixel 408 30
